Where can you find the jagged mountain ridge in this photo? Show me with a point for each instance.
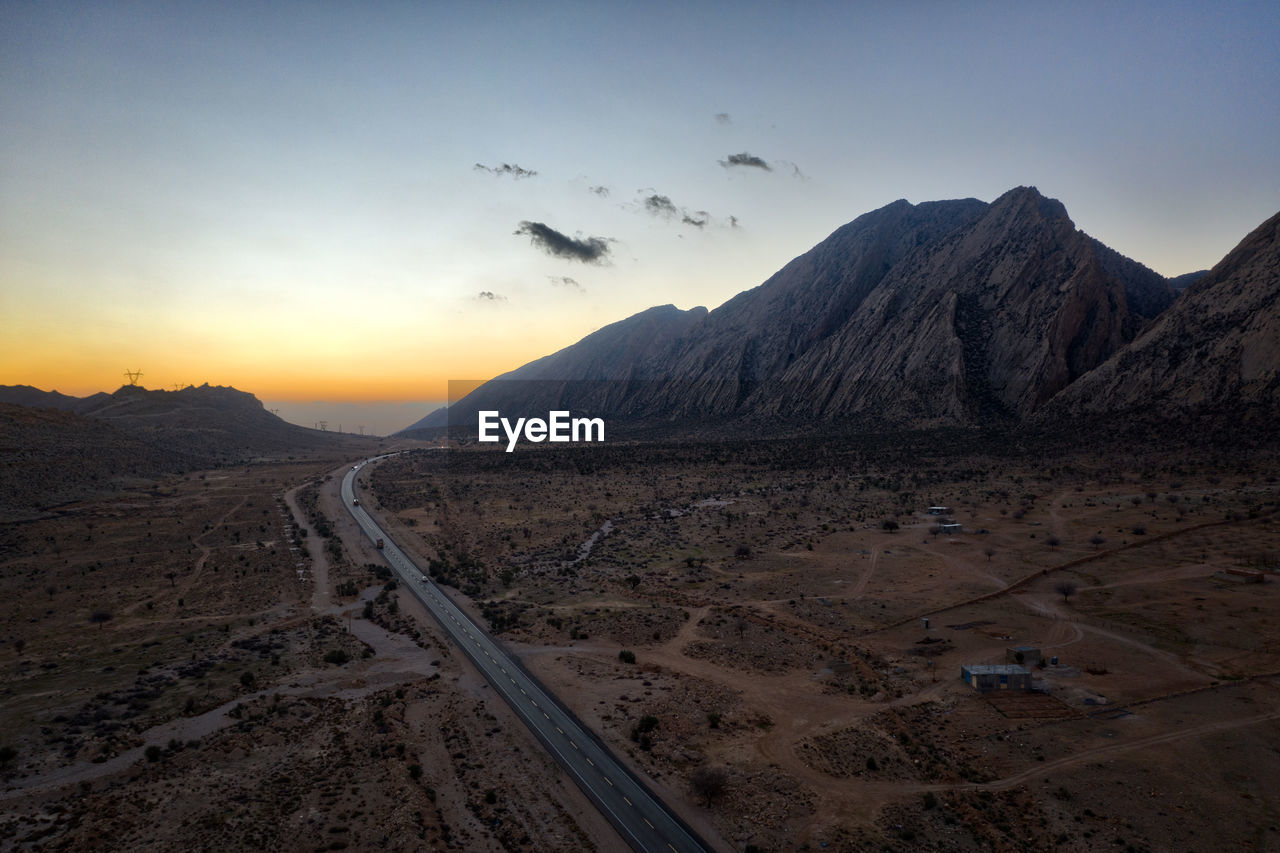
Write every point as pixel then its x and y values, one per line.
pixel 1216 350
pixel 987 319
pixel 950 312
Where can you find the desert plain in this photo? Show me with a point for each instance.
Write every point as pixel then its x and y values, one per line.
pixel 771 633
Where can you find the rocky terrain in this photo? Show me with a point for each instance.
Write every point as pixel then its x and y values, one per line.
pixel 1217 350
pixel 53 457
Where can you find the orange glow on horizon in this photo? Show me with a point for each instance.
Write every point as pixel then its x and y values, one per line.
pixel 369 364
pixel 292 388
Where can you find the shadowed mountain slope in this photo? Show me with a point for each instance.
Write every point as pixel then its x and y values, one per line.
pixel 1217 348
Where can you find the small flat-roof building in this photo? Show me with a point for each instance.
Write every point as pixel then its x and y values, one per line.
pixel 1030 655
pixel 989 677
pixel 939 510
pixel 952 527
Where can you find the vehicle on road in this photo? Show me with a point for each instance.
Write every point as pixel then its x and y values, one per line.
pixel 381 545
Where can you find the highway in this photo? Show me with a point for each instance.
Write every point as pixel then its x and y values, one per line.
pixel 640 817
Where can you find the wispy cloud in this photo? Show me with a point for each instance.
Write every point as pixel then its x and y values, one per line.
pixel 511 169
pixel 566 281
pixel 589 250
pixel 490 296
pixel 699 219
pixel 795 170
pixel 724 118
pixel 745 159
pixel 600 190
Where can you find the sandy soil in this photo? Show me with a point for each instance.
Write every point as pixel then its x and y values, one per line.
pixel 800 633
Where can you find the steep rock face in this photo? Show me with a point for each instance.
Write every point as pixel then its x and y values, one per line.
pixel 988 323
pixel 1217 348
pixel 759 333
pixel 953 312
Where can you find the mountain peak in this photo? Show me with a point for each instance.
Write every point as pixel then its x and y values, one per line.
pixel 1028 200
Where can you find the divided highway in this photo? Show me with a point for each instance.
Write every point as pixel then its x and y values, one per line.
pixel 639 816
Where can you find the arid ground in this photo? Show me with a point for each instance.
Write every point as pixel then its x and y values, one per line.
pixel 218 660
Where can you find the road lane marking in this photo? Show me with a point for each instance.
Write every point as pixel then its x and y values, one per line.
pixel 610 781
pixel 592 763
pixel 560 730
pixel 572 744
pixel 625 800
pixel 646 822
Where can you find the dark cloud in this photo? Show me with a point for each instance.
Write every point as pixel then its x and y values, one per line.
pixel 724 118
pixel 490 296
pixel 565 281
pixel 745 159
pixel 511 169
pixel 660 205
pixel 601 191
pixel 591 250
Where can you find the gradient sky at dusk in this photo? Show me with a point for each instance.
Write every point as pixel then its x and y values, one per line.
pixel 284 197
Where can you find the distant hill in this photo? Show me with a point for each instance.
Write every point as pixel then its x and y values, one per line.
pixel 217 423
pixel 936 314
pixel 27 395
pixel 1180 283
pixel 55 448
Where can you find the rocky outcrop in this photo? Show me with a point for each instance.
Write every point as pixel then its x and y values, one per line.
pixel 1217 348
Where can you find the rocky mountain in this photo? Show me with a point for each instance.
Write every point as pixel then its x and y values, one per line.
pixel 1216 350
pixel 949 312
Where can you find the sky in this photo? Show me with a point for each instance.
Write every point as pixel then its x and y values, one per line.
pixel 339 207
